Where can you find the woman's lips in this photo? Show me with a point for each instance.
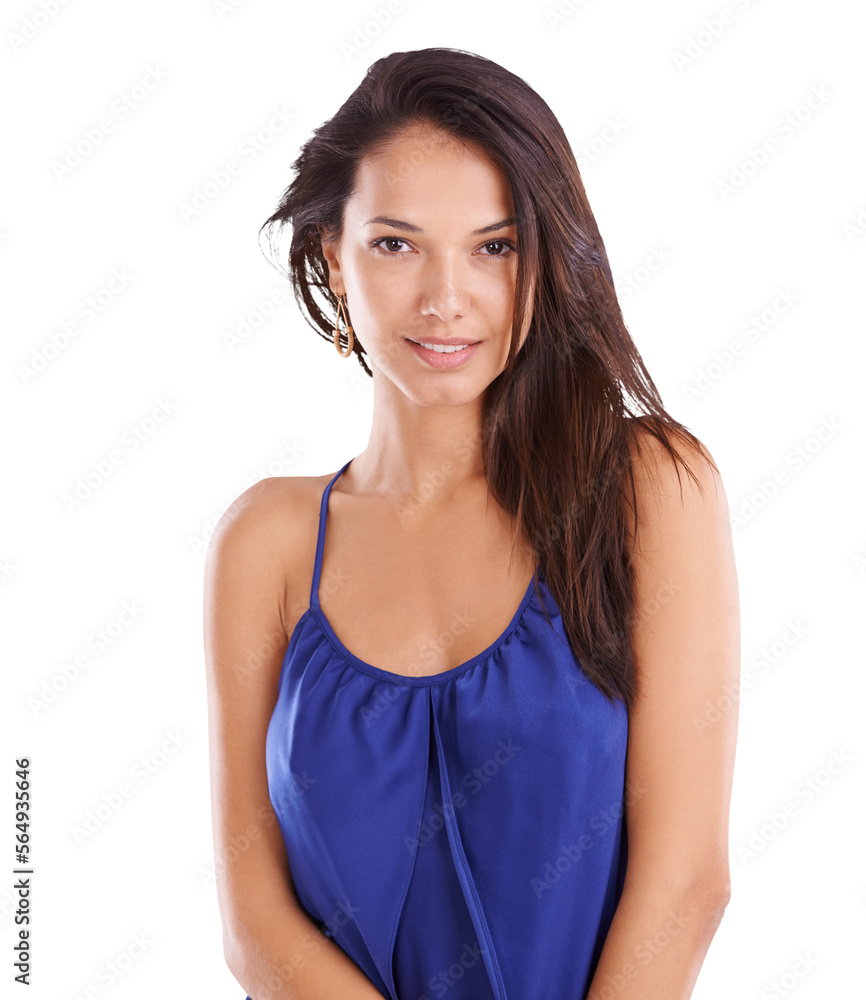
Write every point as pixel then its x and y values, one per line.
pixel 441 359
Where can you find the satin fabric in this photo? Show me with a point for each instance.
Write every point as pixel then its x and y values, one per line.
pixel 460 834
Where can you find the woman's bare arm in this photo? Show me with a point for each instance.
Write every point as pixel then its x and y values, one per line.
pixel 680 759
pixel 273 948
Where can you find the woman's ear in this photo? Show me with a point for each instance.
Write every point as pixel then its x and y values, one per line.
pixel 331 251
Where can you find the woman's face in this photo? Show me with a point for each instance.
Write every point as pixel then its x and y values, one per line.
pixel 427 251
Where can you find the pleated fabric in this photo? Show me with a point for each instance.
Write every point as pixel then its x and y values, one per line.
pixel 461 834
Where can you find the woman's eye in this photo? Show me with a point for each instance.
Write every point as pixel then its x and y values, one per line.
pixel 499 243
pixel 387 241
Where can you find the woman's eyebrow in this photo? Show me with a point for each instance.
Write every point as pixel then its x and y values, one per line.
pixel 381 220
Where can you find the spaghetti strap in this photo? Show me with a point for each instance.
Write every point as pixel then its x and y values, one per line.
pixel 320 542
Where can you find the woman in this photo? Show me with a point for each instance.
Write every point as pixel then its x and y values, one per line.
pixel 456 737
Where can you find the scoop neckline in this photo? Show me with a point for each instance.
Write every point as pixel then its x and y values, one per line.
pixel 425 680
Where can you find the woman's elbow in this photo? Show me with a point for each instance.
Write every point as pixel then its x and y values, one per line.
pixel 707 899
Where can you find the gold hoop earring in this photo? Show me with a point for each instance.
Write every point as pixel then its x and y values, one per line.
pixel 350 334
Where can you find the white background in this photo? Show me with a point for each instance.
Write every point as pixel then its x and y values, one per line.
pixel 691 107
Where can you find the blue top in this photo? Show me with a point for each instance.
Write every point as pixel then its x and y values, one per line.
pixel 458 834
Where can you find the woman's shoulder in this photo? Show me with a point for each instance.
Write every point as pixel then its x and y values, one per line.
pixel 679 503
pixel 264 544
pixel 674 499
pixel 654 467
pixel 271 514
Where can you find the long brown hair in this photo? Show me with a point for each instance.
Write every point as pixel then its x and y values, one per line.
pixel 556 428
